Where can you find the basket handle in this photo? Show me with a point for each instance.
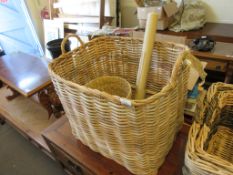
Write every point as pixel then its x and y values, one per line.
pixel 193 61
pixel 66 39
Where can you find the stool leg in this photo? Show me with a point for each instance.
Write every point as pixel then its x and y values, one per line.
pixel 1 84
pixel 45 102
pixel 229 73
pixel 2 121
pixel 14 94
pixel 50 101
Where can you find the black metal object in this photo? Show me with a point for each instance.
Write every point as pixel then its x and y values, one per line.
pixel 54 47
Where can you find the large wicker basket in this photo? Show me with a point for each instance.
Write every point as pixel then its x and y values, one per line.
pixel 137 134
pixel 210 145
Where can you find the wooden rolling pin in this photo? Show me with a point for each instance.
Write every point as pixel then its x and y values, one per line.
pixel 145 60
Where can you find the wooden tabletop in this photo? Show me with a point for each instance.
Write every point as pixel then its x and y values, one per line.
pixel 59 133
pixel 218 31
pixel 24 73
pixel 221 51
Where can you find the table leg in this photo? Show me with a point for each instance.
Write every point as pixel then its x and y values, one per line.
pixel 2 121
pixel 13 96
pixel 45 102
pixel 229 73
pixel 55 101
pixel 50 101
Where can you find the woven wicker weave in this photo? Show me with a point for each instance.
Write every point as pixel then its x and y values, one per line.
pixel 221 144
pixel 113 85
pixel 210 145
pixel 135 133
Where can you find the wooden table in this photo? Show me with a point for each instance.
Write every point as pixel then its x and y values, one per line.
pixel 218 31
pixel 24 73
pixel 220 59
pixel 28 75
pixel 77 158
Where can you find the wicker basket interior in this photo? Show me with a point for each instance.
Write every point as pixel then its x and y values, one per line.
pixel 210 144
pixel 119 57
pixel 111 84
pixel 220 141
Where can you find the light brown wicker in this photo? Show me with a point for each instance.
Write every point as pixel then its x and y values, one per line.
pixel 221 144
pixel 210 145
pixel 135 133
pixel 113 85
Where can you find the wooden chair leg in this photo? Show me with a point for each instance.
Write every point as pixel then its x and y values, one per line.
pixel 1 84
pixel 229 73
pixel 2 121
pixel 45 102
pixel 50 101
pixel 14 94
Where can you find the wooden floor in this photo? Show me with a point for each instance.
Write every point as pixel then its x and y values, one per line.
pixel 20 157
pixel 26 115
pixel 26 110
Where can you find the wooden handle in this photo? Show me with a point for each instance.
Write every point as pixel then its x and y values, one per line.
pixel 145 60
pixel 66 39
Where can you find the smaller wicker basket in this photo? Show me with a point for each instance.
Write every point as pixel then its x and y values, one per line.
pixel 113 85
pixel 210 144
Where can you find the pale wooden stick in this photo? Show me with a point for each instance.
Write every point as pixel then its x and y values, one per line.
pixel 145 60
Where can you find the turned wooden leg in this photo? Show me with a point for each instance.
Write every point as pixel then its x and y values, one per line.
pixel 2 121
pixel 1 84
pixel 50 101
pixel 58 110
pixel 14 94
pixel 45 102
pixel 229 73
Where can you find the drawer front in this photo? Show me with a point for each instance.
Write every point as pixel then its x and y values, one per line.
pixel 215 65
pixel 68 163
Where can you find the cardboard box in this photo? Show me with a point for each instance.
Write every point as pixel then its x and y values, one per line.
pixel 165 13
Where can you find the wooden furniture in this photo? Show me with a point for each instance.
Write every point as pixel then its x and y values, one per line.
pixel 56 11
pixel 77 158
pixel 28 75
pixel 221 58
pixel 26 116
pixel 218 31
pixel 24 73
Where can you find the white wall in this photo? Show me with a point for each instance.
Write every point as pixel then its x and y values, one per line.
pixel 128 13
pixel 35 7
pixel 217 11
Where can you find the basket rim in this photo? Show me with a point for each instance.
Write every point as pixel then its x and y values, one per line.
pixel 108 77
pixel 199 151
pixel 116 99
pixel 199 132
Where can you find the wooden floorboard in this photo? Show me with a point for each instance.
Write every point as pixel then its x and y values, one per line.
pixel 26 116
